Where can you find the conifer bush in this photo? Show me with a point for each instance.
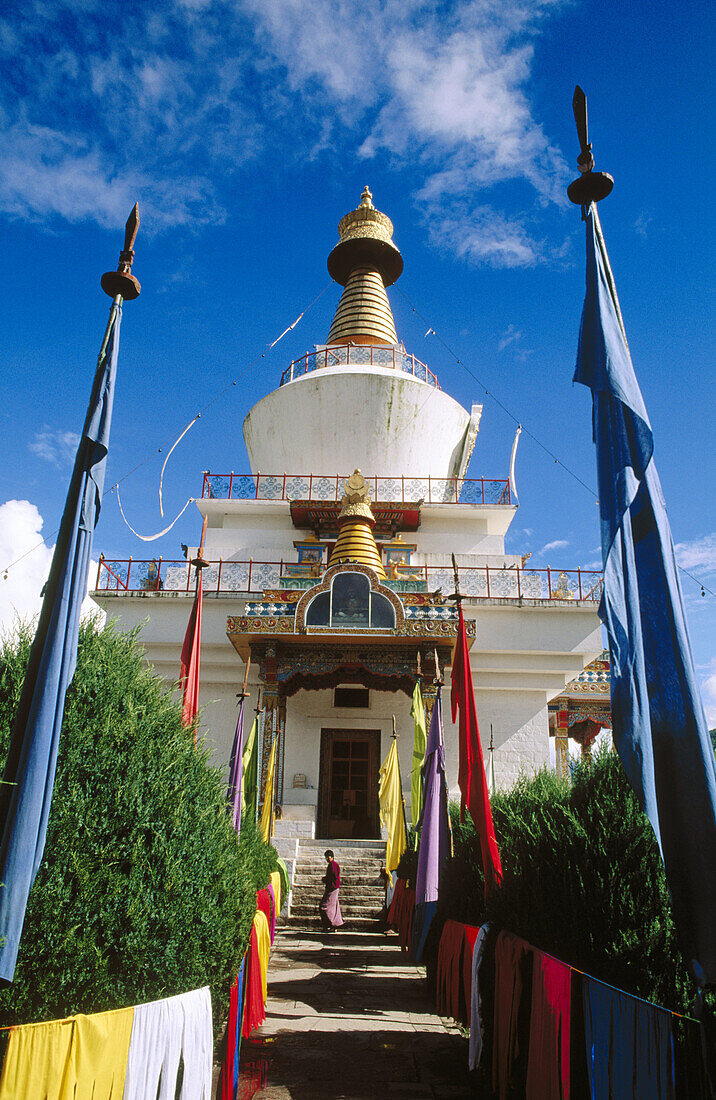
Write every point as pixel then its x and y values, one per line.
pixel 143 891
pixel 583 879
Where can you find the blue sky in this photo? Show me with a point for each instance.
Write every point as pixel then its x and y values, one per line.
pixel 246 130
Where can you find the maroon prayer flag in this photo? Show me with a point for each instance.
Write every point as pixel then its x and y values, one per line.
pixel 190 661
pixel 474 794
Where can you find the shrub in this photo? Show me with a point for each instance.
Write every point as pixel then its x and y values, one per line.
pixel 143 891
pixel 583 879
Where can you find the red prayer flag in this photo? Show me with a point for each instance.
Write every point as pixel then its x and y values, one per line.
pixel 471 778
pixel 190 661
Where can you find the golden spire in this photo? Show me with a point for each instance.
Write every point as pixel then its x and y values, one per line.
pixel 365 261
pixel 355 540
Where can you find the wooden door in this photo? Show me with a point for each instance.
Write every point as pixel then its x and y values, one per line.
pixel 348 784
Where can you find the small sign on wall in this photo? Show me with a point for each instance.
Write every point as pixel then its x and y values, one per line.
pixel 299 780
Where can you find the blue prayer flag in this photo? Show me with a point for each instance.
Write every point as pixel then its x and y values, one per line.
pixel 659 726
pixel 29 773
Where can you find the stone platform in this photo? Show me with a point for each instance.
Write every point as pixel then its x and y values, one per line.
pixel 349 1018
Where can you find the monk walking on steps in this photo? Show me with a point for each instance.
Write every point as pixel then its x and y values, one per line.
pixel 329 908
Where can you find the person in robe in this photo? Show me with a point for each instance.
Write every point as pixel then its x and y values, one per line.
pixel 329 907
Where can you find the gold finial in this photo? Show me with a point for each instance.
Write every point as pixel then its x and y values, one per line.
pixel 366 240
pixel 356 499
pixel 355 541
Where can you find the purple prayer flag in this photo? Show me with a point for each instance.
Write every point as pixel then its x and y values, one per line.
pixel 235 763
pixel 434 837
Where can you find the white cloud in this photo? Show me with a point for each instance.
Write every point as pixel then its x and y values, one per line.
pixel 510 336
pixel 558 544
pixel 595 565
pixel 642 223
pixel 57 447
pixel 166 104
pixel 20 586
pixel 698 555
pixel 445 87
pixel 48 172
pixel 485 236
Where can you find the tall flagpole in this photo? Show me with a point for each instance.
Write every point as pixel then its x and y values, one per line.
pixel 659 725
pixel 30 767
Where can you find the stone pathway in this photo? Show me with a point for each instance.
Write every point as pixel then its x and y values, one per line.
pixel 349 1018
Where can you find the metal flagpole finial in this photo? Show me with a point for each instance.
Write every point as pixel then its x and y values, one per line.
pixel 457 594
pixel 200 562
pixel 395 735
pixel 241 695
pixel 121 282
pixel 418 670
pixel 438 677
pixel 591 186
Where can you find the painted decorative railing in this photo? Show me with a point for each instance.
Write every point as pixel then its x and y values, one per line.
pixel 359 355
pixel 229 577
pixel 383 490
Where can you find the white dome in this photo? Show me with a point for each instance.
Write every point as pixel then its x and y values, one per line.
pixel 379 419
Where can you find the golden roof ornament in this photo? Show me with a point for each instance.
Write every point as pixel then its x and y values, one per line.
pixel 356 499
pixel 355 541
pixel 366 240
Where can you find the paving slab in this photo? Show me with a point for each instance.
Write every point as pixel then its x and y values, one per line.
pixel 348 1018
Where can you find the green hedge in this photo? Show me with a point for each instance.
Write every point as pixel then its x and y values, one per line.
pixel 583 879
pixel 143 891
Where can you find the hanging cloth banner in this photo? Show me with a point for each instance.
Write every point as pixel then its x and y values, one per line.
pixel 167 1033
pixel 434 831
pixel 390 797
pixel 266 825
pixel 472 780
pixel 233 793
pixel 229 1080
pixel 659 726
pixel 29 774
pixel 420 737
pixel 82 1057
pixel 250 773
pixel 191 660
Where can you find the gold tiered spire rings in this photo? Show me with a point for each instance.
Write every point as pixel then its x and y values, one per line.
pixel 355 540
pixel 365 261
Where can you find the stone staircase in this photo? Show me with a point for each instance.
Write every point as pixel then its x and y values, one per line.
pixel 361 896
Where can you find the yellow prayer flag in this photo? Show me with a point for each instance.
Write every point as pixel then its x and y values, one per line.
pixel 392 814
pixel 81 1056
pixel 420 740
pixel 275 880
pixel 263 941
pixel 266 825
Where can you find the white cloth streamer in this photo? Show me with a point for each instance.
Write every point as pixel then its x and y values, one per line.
pixel 476 1035
pixel 164 1032
pixel 176 443
pixel 151 538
